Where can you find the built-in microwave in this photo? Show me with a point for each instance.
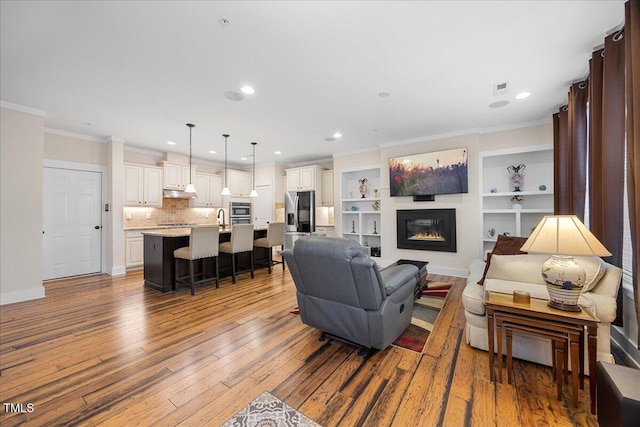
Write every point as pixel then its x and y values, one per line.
pixel 237 209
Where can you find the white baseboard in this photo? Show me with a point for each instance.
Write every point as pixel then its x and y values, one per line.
pixel 117 271
pixel 18 296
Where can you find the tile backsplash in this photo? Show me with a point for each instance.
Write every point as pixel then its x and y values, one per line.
pixel 172 211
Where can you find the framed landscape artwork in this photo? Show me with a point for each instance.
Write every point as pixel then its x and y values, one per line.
pixel 439 172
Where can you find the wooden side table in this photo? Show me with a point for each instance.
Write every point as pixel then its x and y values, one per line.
pixel 565 329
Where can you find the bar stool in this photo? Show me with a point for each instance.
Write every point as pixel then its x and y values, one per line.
pixel 241 241
pixel 275 237
pixel 203 243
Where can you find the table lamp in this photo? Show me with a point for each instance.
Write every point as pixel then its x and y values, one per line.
pixel 563 236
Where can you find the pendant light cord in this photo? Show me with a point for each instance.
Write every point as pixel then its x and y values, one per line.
pixel 225 159
pixel 191 126
pixel 254 164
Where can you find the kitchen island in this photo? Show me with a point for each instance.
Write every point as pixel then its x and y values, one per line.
pixel 159 262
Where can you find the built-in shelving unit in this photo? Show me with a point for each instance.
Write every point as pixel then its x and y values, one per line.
pixel 359 219
pixel 498 212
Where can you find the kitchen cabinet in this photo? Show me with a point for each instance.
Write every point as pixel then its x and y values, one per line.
pixel 327 188
pixel 305 178
pixel 176 176
pixel 133 249
pixel 239 183
pixel 142 185
pixel 208 187
pixel 499 214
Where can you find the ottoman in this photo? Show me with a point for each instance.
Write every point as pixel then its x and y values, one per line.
pixel 618 395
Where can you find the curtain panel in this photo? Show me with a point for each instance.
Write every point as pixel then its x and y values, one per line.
pixel 632 68
pixel 570 153
pixel 607 144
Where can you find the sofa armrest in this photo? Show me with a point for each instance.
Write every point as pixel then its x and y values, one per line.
pixel 394 277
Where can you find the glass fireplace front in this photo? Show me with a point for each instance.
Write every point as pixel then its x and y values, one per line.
pixel 427 229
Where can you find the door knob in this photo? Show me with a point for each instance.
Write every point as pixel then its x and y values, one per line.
pixel 97 227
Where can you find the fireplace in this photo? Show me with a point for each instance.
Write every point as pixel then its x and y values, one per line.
pixel 427 229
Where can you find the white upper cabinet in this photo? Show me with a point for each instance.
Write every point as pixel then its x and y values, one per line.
pixel 142 185
pixel 239 183
pixel 176 176
pixel 208 187
pixel 304 178
pixel 327 188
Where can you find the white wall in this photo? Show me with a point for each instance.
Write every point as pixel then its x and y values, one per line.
pixel 467 206
pixel 21 157
pixel 70 149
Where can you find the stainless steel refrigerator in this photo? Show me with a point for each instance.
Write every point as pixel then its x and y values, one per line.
pixel 299 215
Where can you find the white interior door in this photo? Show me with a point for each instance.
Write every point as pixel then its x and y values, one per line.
pixel 263 206
pixel 72 222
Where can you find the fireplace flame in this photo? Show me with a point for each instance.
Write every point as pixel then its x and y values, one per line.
pixel 432 237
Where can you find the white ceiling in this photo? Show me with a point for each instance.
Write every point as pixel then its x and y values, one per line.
pixel 142 70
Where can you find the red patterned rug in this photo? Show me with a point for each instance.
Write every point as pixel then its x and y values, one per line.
pixel 425 312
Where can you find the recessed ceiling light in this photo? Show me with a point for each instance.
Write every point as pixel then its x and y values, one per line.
pixel 330 139
pixel 383 94
pixel 171 143
pixel 212 151
pixel 499 104
pixel 337 135
pixel 243 158
pixel 234 96
pixel 247 90
pixel 523 95
pixel 277 152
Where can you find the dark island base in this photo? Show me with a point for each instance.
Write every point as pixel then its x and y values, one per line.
pixel 159 262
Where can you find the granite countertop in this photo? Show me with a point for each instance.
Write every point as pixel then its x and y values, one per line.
pixel 181 232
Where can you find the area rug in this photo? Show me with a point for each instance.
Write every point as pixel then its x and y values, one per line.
pixel 267 410
pixel 425 312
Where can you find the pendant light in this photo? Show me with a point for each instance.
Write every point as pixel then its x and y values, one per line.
pixel 254 193
pixel 190 187
pixel 225 189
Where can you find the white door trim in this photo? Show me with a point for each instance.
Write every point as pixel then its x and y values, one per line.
pixel 90 167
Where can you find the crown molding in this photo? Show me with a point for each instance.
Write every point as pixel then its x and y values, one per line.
pixel 75 135
pixel 22 108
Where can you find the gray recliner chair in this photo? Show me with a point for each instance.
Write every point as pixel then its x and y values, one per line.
pixel 342 292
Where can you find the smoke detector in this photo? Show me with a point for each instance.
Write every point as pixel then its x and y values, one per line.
pixel 500 88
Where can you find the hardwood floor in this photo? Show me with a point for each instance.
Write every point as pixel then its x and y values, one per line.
pixel 104 350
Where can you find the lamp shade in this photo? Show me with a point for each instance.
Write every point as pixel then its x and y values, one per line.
pixel 563 235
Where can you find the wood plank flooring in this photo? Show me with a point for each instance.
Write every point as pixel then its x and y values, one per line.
pixel 104 350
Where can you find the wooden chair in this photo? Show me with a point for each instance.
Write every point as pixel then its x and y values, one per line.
pixel 241 241
pixel 203 244
pixel 275 237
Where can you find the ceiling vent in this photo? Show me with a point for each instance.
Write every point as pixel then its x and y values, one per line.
pixel 500 89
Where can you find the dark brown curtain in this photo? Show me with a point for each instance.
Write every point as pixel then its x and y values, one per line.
pixel 632 52
pixel 570 153
pixel 606 157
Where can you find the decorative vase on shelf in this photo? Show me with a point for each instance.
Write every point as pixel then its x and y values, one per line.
pixel 517 176
pixel 353 227
pixel 516 202
pixel 363 187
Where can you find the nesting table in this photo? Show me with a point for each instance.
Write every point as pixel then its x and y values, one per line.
pixel 566 330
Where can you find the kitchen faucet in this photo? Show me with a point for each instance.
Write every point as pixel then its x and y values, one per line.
pixel 221 211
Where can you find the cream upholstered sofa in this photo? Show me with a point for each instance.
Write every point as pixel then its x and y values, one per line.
pixel 507 273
